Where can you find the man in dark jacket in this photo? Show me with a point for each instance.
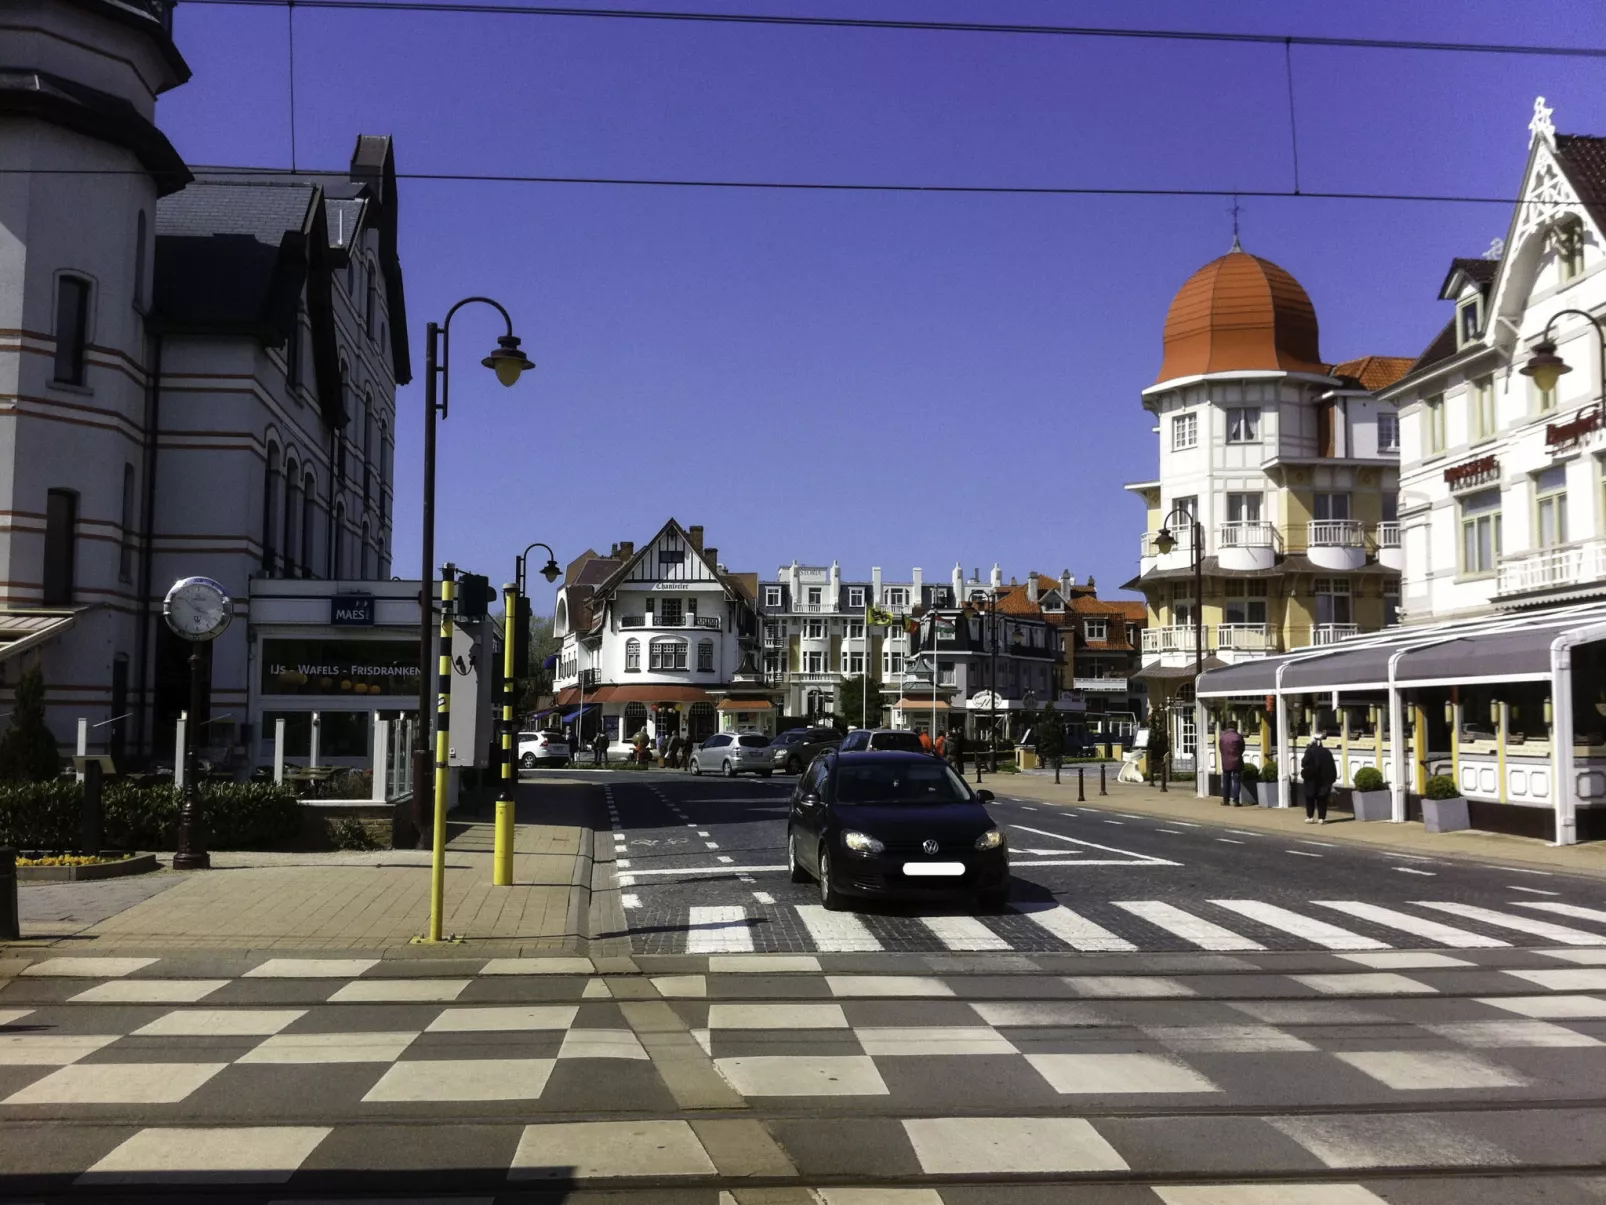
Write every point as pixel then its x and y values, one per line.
pixel 1232 763
pixel 1319 773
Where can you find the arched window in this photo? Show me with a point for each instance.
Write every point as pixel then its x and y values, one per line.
pixel 337 554
pixel 125 557
pixel 309 504
pixel 668 654
pixel 632 653
pixel 270 509
pixel 365 566
pixel 371 306
pixel 351 280
pixel 635 719
pixel 292 514
pixel 141 235
pixel 381 474
pixel 705 656
pixel 367 449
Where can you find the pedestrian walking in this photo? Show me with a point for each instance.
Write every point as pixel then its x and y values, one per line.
pixel 942 746
pixel 676 746
pixel 1232 764
pixel 599 750
pixel 956 751
pixel 925 740
pixel 1319 773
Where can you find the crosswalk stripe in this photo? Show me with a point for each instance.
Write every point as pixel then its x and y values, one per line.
pixel 836 932
pixel 1195 929
pixel 1522 924
pixel 1594 914
pixel 721 929
pixel 963 933
pixel 1077 931
pixel 1307 927
pixel 1417 926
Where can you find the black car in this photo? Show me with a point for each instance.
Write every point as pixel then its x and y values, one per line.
pixel 888 824
pixel 797 747
pixel 882 738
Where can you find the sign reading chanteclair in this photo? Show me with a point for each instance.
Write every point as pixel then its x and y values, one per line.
pixel 349 668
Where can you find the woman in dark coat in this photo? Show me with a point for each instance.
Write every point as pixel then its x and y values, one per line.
pixel 1319 773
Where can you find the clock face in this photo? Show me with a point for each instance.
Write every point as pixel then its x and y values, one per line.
pixel 197 608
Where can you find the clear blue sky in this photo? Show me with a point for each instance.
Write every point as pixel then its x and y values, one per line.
pixel 881 379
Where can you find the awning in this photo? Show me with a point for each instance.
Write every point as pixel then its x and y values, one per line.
pixel 571 716
pixel 1499 648
pixel 669 692
pixel 921 705
pixel 744 705
pixel 23 630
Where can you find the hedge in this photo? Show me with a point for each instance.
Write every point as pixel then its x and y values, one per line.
pixel 47 815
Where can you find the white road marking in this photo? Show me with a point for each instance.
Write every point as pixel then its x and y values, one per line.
pixel 1306 927
pixel 1185 824
pixel 1573 910
pixel 763 897
pixel 622 863
pixel 630 900
pixel 724 858
pixel 745 878
pixel 964 933
pixel 1518 870
pixel 1245 832
pixel 1303 853
pixel 702 832
pixel 1202 933
pixel 711 844
pixel 627 880
pixel 719 928
pixel 1172 831
pixel 836 932
pixel 1522 924
pixel 1413 870
pixel 1114 822
pixel 1077 931
pixel 1228 841
pixel 1530 890
pixel 1417 926
pixel 1320 844
pixel 702 870
pixel 1139 859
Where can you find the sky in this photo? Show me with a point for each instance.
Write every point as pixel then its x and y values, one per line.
pixel 877 379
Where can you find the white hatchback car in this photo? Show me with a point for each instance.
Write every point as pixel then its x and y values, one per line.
pixel 542 749
pixel 733 753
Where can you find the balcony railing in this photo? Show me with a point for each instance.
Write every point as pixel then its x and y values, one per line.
pixel 710 622
pixel 1334 533
pixel 1332 633
pixel 1183 534
pixel 1245 637
pixel 1388 535
pixel 774 641
pixel 1253 534
pixel 1100 685
pixel 1553 567
pixel 809 675
pixel 1175 639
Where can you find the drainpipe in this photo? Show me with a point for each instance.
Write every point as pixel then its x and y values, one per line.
pixel 1562 752
pixel 145 711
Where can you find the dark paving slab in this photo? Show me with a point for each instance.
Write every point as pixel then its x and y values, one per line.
pixel 1204 1146
pixel 875 1148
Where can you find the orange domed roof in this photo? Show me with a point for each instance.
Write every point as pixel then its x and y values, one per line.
pixel 1240 312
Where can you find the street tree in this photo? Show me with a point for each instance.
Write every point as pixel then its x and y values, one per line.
pixel 852 705
pixel 28 750
pixel 1051 740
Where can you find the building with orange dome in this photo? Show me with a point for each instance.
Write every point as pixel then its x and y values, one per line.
pixel 1287 466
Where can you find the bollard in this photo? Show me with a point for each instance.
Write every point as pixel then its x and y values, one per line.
pixel 1102 790
pixel 1080 798
pixel 89 836
pixel 10 929
pixel 1164 776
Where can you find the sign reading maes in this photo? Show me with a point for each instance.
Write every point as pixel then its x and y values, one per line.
pixel 339 667
pixel 351 611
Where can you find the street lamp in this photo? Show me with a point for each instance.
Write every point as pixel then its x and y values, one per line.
pixel 1545 366
pixel 1165 541
pixel 509 363
pixel 550 570
pixel 512 614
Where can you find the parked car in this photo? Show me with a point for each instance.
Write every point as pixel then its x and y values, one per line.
pixel 542 749
pixel 733 753
pixel 794 749
pixel 889 824
pixel 862 739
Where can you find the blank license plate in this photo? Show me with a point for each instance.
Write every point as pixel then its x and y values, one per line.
pixel 934 868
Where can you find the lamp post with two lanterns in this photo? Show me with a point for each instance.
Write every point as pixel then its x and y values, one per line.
pixel 1165 541
pixel 515 632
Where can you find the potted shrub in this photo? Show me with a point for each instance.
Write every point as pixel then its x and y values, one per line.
pixel 1267 789
pixel 1249 780
pixel 1370 797
pixel 1443 808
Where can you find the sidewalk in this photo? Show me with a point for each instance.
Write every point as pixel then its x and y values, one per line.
pixel 1181 803
pixel 375 902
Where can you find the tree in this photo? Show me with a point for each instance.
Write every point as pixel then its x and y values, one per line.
pixel 854 707
pixel 1051 739
pixel 28 750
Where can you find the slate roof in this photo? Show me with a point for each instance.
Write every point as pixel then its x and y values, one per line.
pixel 1583 158
pixel 1442 348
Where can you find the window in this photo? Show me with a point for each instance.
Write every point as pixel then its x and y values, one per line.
pixel 1483 425
pixel 72 329
pixel 671 556
pixel 892 663
pixel 1480 532
pixel 814 597
pixel 814 629
pixel 1132 633
pixel 667 654
pixel 635 719
pixel 1332 508
pixel 371 308
pixel 1568 238
pixel 772 664
pixel 853 663
pixel 855 629
pixel 945 673
pixel 1468 318
pixel 1388 431
pixel 1096 629
pixel 125 555
pixel 309 501
pixel 1243 425
pixel 61 539
pixel 1246 601
pixel 897 596
pixel 337 552
pixel 292 356
pixel 1333 600
pixel 1188 507
pixel 1391 508
pixel 141 237
pixel 270 509
pixel 814 662
pixel 365 565
pixel 1184 432
pixel 705 656
pixel 1550 507
pixel 671 612
pixel 772 596
pixel 1433 416
pixel 292 512
pixel 1243 508
pixel 368 451
pixel 856 598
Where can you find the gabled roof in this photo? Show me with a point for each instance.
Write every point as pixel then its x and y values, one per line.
pixel 1583 158
pixel 1442 348
pixel 1479 271
pixel 1374 372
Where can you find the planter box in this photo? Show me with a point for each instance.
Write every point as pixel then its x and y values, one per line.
pixel 1373 805
pixel 138 864
pixel 1267 793
pixel 1445 815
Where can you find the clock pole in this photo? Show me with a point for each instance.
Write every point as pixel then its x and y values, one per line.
pixel 192 853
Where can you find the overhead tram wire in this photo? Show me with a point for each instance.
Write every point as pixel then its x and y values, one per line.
pixel 870 23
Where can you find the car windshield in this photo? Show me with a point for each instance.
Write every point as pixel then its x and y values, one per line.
pixel 907 741
pixel 752 742
pixel 794 737
pixel 900 782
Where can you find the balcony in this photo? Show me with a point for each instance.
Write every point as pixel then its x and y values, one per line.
pixel 1175 639
pixel 1554 568
pixel 774 641
pixel 1245 638
pixel 1337 544
pixel 710 623
pixel 1388 535
pixel 1247 545
pixel 1332 633
pixel 1100 685
pixel 1390 552
pixel 815 677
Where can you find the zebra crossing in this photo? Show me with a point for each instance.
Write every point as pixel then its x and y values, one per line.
pixel 1223 925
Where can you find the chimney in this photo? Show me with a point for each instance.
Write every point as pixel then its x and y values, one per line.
pixel 627 549
pixel 997 576
pixel 694 536
pixel 833 589
pixel 1031 586
pixel 959 584
pixel 712 554
pixel 1066 582
pixel 915 596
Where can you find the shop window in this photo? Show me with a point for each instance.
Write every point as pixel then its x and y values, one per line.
pixel 635 719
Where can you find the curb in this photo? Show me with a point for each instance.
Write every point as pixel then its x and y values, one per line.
pixel 136 864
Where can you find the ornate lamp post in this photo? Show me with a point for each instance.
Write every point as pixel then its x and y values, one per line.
pixel 512 613
pixel 1165 541
pixel 1545 366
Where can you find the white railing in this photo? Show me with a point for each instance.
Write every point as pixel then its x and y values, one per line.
pixel 1245 637
pixel 1334 533
pixel 812 676
pixel 1247 535
pixel 1332 633
pixel 1182 533
pixel 1176 639
pixel 1106 685
pixel 1553 567
pixel 710 622
pixel 1388 535
pixel 774 642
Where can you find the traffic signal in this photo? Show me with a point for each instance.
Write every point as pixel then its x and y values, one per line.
pixel 473 596
pixel 521 638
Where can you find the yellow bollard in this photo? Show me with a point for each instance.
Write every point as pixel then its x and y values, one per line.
pixel 502 859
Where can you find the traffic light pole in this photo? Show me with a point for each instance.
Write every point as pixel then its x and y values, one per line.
pixel 502 861
pixel 443 740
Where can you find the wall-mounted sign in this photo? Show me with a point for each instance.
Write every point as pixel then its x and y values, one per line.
pixel 943 626
pixel 1473 473
pixel 346 668
pixel 351 611
pixel 1562 437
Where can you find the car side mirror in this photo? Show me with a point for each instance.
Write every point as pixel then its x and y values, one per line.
pixel 810 801
pixel 985 795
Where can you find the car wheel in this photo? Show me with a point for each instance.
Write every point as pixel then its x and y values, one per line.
pixel 830 898
pixel 730 770
pixel 765 773
pixel 528 761
pixel 696 770
pixel 793 866
pixel 993 901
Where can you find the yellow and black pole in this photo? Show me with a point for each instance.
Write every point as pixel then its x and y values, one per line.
pixel 502 861
pixel 443 738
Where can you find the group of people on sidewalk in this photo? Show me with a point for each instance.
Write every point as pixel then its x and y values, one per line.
pixel 1317 771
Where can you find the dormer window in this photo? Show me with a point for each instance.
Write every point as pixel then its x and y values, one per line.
pixel 1468 320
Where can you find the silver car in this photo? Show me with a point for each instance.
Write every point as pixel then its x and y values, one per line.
pixel 733 753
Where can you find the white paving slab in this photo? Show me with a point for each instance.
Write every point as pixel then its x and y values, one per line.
pixel 887 985
pixel 1389 1140
pixel 1266 1194
pixel 930 1040
pixel 1307 928
pixel 8 1015
pixel 1404 960
pixel 426 1080
pixel 220 1022
pixel 776 1016
pixel 1362 983
pixel 681 987
pixel 1565 979
pixel 1118 1074
pixel 116 1084
pixel 374 1047
pixel 868 1196
pixel 728 964
pixel 836 932
pixel 399 991
pixel 1005 1145
pixel 591 1150
pixel 1148 986
pixel 1226 1039
pixel 233 1154
pixel 312 968
pixel 1429 1070
pixel 88 968
pixel 1207 935
pixel 1416 926
pixel 538 966
pixel 495 1018
pixel 601 1044
pixel 149 991
pixel 1495 1035
pixel 803 1075
pixel 1555 1007
pixel 50 1049
pixel 1006 1013
pixel 721 928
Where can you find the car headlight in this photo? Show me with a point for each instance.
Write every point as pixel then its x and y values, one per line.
pixel 862 843
pixel 991 839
